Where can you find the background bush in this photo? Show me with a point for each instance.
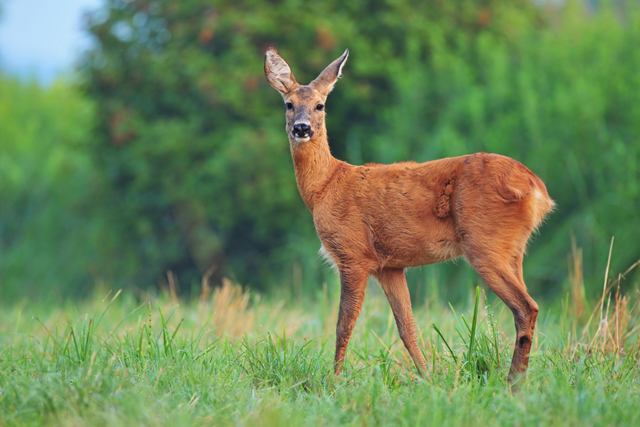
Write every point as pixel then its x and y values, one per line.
pixel 54 231
pixel 190 166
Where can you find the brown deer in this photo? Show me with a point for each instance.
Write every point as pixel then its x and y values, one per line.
pixel 381 219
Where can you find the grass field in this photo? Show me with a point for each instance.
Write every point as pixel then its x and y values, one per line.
pixel 231 358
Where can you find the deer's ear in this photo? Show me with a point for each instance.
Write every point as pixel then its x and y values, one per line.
pixel 327 79
pixel 278 72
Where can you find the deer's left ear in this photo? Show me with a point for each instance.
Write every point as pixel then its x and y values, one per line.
pixel 327 79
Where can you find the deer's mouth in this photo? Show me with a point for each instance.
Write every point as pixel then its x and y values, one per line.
pixel 302 133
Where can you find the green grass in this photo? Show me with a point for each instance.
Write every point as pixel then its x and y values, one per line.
pixel 236 359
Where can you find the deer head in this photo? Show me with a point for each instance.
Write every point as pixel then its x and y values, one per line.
pixel 304 104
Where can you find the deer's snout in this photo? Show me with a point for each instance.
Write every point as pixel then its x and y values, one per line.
pixel 302 130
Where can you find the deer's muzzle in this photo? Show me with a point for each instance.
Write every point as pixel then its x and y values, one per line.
pixel 302 130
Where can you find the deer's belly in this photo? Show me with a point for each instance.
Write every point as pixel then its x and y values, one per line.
pixel 425 253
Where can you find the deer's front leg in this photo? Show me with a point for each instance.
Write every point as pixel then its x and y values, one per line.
pixel 353 285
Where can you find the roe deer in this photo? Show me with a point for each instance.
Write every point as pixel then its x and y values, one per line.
pixel 380 219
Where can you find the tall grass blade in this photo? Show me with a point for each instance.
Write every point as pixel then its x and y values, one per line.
pixel 455 358
pixel 472 338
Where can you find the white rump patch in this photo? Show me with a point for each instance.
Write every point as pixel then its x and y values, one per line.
pixel 542 205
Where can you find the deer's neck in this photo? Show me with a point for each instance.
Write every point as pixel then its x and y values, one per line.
pixel 314 166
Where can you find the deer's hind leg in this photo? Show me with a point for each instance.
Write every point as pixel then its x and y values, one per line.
pixel 497 257
pixel 394 284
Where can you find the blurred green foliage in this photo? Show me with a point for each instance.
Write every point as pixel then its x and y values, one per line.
pixel 187 140
pixel 54 231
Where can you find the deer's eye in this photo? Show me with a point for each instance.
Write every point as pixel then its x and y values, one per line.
pixel 289 106
pixel 319 107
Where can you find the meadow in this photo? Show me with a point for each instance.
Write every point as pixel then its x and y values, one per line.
pixel 231 357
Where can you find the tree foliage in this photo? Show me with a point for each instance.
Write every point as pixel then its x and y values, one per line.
pixel 191 138
pixel 55 237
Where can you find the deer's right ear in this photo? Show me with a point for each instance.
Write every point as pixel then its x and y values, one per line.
pixel 278 72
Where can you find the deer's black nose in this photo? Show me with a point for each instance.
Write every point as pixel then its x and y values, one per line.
pixel 301 130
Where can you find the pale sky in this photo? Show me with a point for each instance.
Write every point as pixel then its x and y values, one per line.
pixel 42 38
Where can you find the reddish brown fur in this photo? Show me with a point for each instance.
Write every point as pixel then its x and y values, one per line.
pixel 380 219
